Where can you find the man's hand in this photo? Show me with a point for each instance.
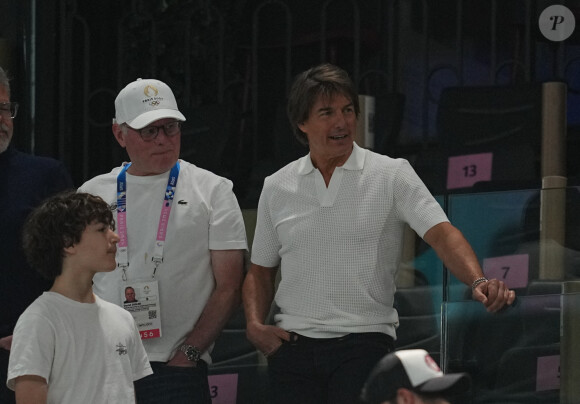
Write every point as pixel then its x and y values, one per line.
pixel 494 295
pixel 180 360
pixel 266 338
pixel 6 342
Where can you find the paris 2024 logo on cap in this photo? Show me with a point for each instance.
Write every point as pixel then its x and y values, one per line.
pixel 557 23
pixel 151 93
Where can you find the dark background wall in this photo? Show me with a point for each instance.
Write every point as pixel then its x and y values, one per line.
pixel 230 64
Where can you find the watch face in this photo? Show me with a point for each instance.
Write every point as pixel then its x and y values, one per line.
pixel 191 352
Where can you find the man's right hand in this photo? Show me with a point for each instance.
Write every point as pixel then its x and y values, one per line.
pixel 266 338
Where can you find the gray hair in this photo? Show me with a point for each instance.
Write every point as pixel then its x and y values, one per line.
pixel 124 128
pixel 324 80
pixel 4 81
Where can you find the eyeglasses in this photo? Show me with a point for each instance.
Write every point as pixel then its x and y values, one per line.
pixel 8 109
pixel 150 132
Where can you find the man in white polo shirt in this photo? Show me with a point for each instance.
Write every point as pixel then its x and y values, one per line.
pixel 333 221
pixel 181 247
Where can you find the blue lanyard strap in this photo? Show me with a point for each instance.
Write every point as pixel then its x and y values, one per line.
pixel 157 258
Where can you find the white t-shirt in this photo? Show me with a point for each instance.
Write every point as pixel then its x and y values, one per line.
pixel 88 353
pixel 339 247
pixel 205 216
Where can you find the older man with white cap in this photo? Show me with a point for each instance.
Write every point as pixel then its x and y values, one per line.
pixel 412 377
pixel 184 260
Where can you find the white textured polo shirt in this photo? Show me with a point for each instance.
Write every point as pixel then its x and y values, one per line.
pixel 339 247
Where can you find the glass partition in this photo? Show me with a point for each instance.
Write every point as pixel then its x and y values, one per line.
pixel 526 353
pixel 518 355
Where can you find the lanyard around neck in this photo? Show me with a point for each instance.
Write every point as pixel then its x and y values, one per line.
pixel 123 254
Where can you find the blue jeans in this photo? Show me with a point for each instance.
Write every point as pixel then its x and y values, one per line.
pixel 174 385
pixel 331 370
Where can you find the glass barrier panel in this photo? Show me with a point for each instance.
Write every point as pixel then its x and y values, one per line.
pixel 512 356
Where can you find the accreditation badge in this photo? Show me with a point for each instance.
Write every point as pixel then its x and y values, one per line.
pixel 141 299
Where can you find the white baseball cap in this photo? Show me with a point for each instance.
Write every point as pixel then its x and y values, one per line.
pixel 144 101
pixel 413 369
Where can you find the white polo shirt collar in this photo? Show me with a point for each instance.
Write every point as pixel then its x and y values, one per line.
pixel 355 161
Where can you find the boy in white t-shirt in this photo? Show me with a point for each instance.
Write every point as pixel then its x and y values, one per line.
pixel 69 346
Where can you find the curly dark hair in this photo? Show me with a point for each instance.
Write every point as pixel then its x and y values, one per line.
pixel 58 223
pixel 324 80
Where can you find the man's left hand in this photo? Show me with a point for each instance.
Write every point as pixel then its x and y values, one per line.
pixel 494 295
pixel 180 360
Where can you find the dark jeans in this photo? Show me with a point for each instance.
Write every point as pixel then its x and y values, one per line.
pixel 6 395
pixel 174 385
pixel 332 370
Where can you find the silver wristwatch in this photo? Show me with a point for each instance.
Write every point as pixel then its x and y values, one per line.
pixel 193 353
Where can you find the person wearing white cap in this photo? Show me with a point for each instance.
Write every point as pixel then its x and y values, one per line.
pixel 412 377
pixel 184 259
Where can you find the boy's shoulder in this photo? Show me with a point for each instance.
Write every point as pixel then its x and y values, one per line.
pixel 42 303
